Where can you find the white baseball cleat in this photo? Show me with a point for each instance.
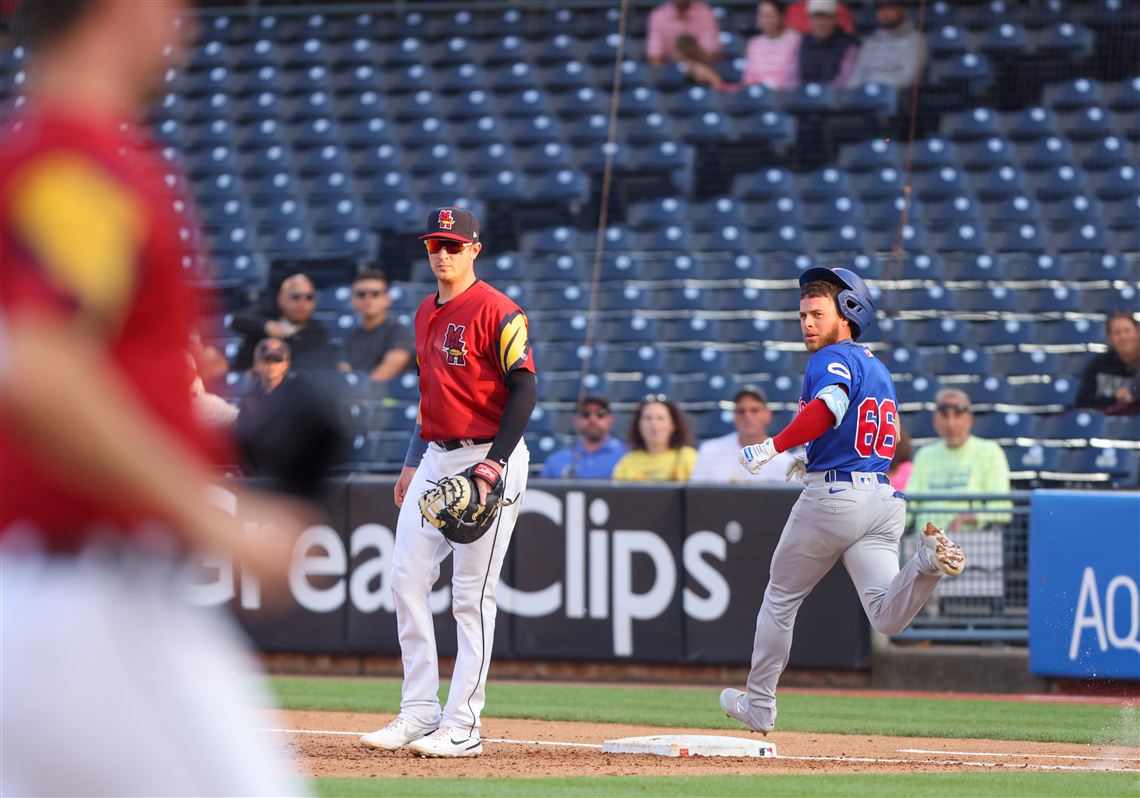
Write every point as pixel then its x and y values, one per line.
pixel 448 741
pixel 942 552
pixel 735 705
pixel 396 734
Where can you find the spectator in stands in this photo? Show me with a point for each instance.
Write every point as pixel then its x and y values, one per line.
pixel 827 53
pixel 1111 380
pixel 895 54
pixel 771 57
pixel 675 20
pixel 798 19
pixel 902 464
pixel 660 442
pixel 959 463
pixel 595 452
pixel 271 361
pixel 718 459
pixel 380 347
pixel 291 321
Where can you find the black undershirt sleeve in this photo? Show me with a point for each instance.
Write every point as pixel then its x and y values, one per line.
pixel 520 404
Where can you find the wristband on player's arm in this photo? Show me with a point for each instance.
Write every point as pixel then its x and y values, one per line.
pixel 416 448
pixel 811 422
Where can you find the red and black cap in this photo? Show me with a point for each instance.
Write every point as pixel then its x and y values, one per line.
pixel 454 224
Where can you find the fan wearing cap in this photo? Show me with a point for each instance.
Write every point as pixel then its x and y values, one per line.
pixel 477 391
pixel 827 52
pixel 848 509
pixel 595 451
pixel 716 458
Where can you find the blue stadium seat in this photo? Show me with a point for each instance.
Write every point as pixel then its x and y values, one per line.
pixel 1086 237
pixel 870 155
pixel 737 299
pixel 965 362
pixel 566 266
pixel 363 77
pixel 626 299
pixel 1069 332
pixel 942 183
pixel 1065 40
pixel 1073 212
pixel 976 124
pixel 628 329
pixel 919 266
pixel 756 331
pixel 359 51
pixel 1004 40
pixel 620 266
pixel 775 212
pixel 625 359
pixel 750 100
pixel 691 330
pixel 1106 153
pixel 840 210
pixel 1031 124
pixel 786 238
pixel 1058 183
pixel 846 238
pixel 986 154
pixel 1021 238
pixel 1122 182
pixel 1073 95
pixel 1053 395
pixel 1046 153
pixel 993 299
pixel 370 132
pixel 938 332
pixel 1125 95
pixel 825 184
pixel 1087 124
pixel 1073 425
pixel 1003 427
pixel 670 239
pixel 946 41
pixel 694 361
pixel 932 154
pixel 965 238
pixel 810 98
pixel 767 184
pixel 880 184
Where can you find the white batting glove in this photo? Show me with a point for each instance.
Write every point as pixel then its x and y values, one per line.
pixel 754 457
pixel 797 470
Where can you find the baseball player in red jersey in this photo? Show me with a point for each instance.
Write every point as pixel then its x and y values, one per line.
pixel 103 469
pixel 477 391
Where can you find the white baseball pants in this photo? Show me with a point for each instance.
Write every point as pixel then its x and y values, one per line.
pixel 112 685
pixel 861 522
pixel 420 549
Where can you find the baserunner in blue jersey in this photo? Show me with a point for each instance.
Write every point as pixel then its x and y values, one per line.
pixel 848 420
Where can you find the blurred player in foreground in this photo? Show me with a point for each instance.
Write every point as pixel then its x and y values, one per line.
pixel 848 420
pixel 111 684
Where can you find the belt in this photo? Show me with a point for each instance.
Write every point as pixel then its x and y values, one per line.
pixel 459 443
pixel 845 476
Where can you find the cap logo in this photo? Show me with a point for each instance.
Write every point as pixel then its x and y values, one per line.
pixel 446 220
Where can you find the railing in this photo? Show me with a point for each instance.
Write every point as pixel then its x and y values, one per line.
pixel 988 602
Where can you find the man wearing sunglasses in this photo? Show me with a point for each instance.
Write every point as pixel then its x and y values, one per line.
pixel 477 391
pixel 595 452
pixel 959 463
pixel 380 347
pixel 716 458
pixel 291 320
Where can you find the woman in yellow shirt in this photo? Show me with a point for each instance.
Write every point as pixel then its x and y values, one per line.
pixel 661 445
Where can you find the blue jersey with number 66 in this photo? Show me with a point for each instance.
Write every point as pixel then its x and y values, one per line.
pixel 866 437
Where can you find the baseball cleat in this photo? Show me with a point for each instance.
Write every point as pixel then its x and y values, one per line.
pixel 395 735
pixel 944 552
pixel 448 742
pixel 735 705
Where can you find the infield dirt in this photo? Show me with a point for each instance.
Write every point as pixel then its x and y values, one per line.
pixel 339 755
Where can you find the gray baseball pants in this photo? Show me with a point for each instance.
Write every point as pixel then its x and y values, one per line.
pixel 862 522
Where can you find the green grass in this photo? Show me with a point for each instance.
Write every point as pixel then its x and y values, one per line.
pixel 677 708
pixel 906 785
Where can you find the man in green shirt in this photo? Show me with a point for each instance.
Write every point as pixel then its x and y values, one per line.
pixel 959 463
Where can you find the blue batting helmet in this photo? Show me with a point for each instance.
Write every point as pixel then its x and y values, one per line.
pixel 854 298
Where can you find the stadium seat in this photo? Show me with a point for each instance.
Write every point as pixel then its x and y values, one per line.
pixel 767 184
pixel 1073 425
pixel 1004 427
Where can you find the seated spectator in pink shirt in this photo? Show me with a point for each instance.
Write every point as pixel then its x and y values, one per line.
pixel 827 53
pixel 673 19
pixel 771 56
pixel 798 19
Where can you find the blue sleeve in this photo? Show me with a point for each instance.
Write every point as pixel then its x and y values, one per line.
pixel 828 366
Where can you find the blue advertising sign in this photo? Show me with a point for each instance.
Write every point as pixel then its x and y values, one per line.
pixel 1084 584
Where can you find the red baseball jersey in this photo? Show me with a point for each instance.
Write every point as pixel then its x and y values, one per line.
pixel 465 349
pixel 89 232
